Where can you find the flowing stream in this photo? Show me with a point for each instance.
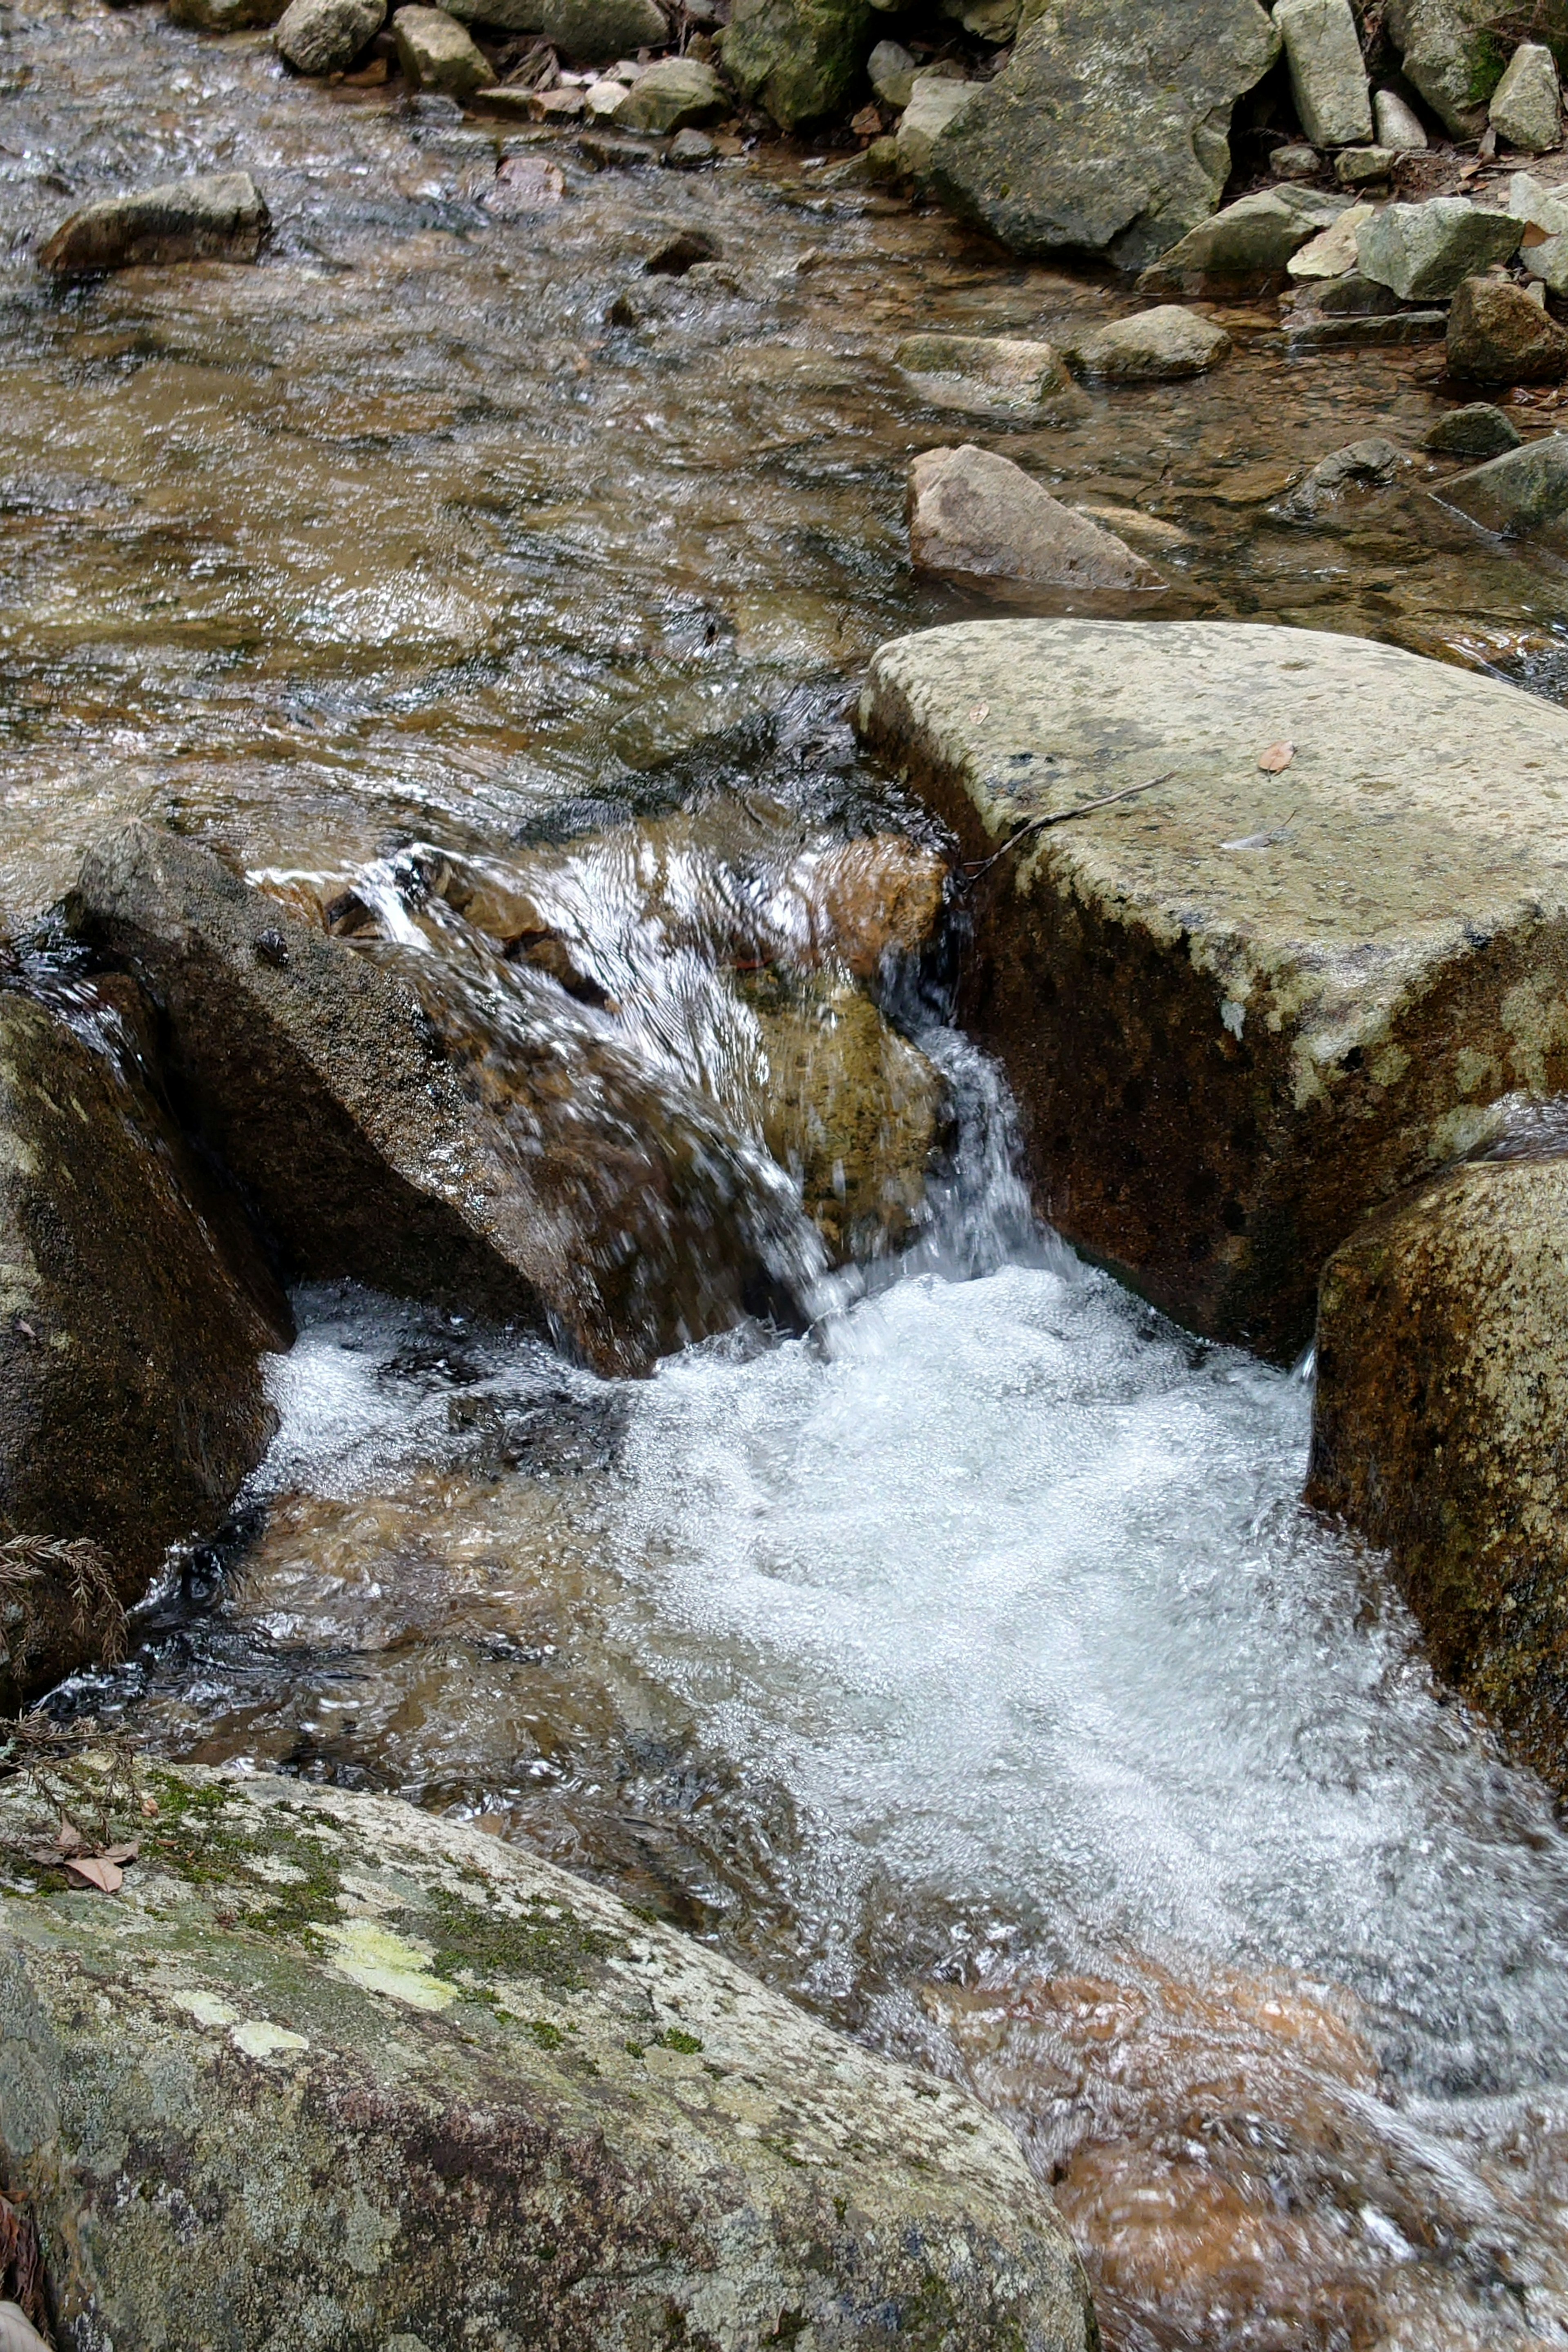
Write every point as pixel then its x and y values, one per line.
pixel 962 1661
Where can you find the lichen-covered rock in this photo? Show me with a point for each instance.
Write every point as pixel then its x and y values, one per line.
pixel 1243 1007
pixel 1455 51
pixel 672 94
pixel 991 375
pixel 212 216
pixel 528 1168
pixel 1252 238
pixel 134 1309
pixel 322 37
pixel 1526 106
pixel 436 54
pixel 1107 131
pixel 978 517
pixel 1498 335
pixel 1423 253
pixel 1327 77
pixel 327 2071
pixel 1441 1402
pixel 1150 347
pixel 799 59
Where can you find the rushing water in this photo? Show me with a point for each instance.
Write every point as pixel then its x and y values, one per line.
pixel 963 1662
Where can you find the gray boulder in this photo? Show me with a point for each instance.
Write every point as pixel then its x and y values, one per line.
pixel 500 16
pixel 1364 167
pixel 212 216
pixel 324 2063
pixel 673 94
pixel 1242 1008
pixel 1397 126
pixel 1150 347
pixel 1327 77
pixel 978 517
pixel 891 70
pixel 1455 51
pixel 134 1310
pixel 322 37
pixel 1526 106
pixel 1425 252
pixel 935 100
pixel 1252 238
pixel 1107 131
pixel 596 32
pixel 989 375
pixel 1522 495
pixel 799 59
pixel 1478 430
pixel 436 53
pixel 1313 327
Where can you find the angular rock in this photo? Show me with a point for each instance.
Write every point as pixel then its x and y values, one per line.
pixel 596 32
pixel 1107 131
pixel 1478 431
pixel 225 16
pixel 989 375
pixel 1397 126
pixel 1350 296
pixel 977 516
pixel 1152 347
pixel 1252 238
pixel 1294 161
pixel 1526 106
pixel 1498 335
pixel 690 150
pixel 1327 76
pixel 1543 248
pixel 673 94
pixel 134 1308
pixel 1315 329
pixel 1455 51
pixel 1441 1398
pixel 934 102
pixel 213 216
pixel 323 36
pixel 1242 1008
pixel 393 1136
pixel 891 70
pixel 1363 167
pixel 1366 465
pixel 1425 252
pixel 1523 494
pixel 436 54
pixel 799 59
pixel 409 2075
pixel 1332 252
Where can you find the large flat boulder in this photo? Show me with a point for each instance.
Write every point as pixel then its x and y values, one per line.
pixel 134 1311
pixel 397 1133
pixel 327 2071
pixel 1283 980
pixel 1441 1400
pixel 1107 131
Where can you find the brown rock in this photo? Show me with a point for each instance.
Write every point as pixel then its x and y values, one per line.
pixel 865 904
pixel 979 517
pixel 213 216
pixel 1441 1405
pixel 1498 335
pixel 436 54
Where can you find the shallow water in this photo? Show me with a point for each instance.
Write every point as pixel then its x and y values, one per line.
pixel 965 1663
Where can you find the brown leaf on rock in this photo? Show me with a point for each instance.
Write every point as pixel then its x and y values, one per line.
pixel 96 1870
pixel 1277 757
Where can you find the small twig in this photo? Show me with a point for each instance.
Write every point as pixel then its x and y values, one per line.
pixel 1060 816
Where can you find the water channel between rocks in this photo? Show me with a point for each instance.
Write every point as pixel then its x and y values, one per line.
pixel 966 1664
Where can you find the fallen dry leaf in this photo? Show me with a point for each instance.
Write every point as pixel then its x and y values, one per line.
pixel 97 1870
pixel 981 711
pixel 68 1838
pixel 1277 757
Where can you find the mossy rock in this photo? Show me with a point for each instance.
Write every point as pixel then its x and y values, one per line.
pixel 1455 51
pixel 799 59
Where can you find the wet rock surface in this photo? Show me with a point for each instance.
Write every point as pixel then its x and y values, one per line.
pixel 1255 1000
pixel 1496 335
pixel 990 376
pixel 469 2085
pixel 1152 347
pixel 1522 494
pixel 213 216
pixel 974 516
pixel 797 58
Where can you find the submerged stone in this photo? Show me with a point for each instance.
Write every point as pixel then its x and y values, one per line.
pixel 1372 464
pixel 977 516
pixel 225 16
pixel 1520 495
pixel 989 375
pixel 410 2075
pixel 213 216
pixel 1152 347
pixel 1478 430
pixel 1242 1007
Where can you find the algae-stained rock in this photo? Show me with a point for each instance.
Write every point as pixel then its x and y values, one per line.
pixel 212 216
pixel 1442 1397
pixel 225 16
pixel 1526 106
pixel 1253 237
pixel 1498 335
pixel 991 375
pixel 1327 76
pixel 1425 252
pixel 436 54
pixel 891 70
pixel 977 516
pixel 594 32
pixel 672 94
pixel 1152 347
pixel 799 59
pixel 1520 495
pixel 1107 131
pixel 134 1309
pixel 1242 1008
pixel 322 37
pixel 1455 51
pixel 1477 430
pixel 527 1169
pixel 324 2061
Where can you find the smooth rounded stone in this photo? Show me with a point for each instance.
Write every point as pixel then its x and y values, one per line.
pixel 1438 1412
pixel 1396 125
pixel 1526 106
pixel 1241 1009
pixel 690 150
pixel 604 100
pixel 1332 252
pixel 672 95
pixel 891 70
pixel 1152 347
pixel 1327 76
pixel 596 32
pixel 134 1310
pixel 436 54
pixel 1498 335
pixel 1108 129
pixel 976 517
pixel 1478 430
pixel 853 1111
pixel 989 375
pixel 1425 252
pixel 1369 464
pixel 1521 495
pixel 799 59
pixel 213 216
pixel 1361 167
pixel 1294 163
pixel 1252 238
pixel 225 16
pixel 411 2076
pixel 934 102
pixel 323 36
